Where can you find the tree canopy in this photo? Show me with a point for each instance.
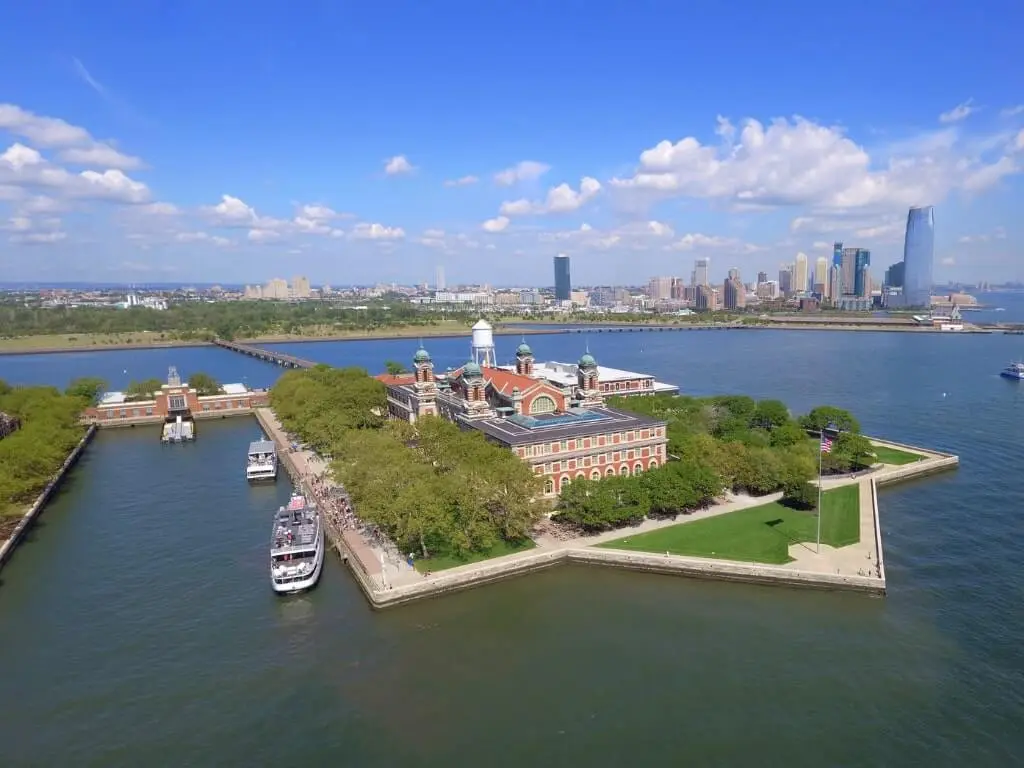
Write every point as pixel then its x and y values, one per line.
pixel 432 487
pixel 204 384
pixel 29 457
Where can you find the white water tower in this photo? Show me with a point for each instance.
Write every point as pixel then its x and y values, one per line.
pixel 483 344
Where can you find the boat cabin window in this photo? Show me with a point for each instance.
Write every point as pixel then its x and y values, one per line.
pixel 292 556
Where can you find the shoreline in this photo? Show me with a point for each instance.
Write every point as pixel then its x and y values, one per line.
pixel 535 328
pixel 386 582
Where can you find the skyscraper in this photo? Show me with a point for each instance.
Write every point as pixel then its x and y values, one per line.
pixel 918 256
pixel 734 294
pixel 762 277
pixel 439 278
pixel 700 272
pixel 786 279
pixel 821 283
pixel 563 283
pixel 861 262
pixel 800 273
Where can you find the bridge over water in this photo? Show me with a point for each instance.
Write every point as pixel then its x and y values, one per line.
pixel 279 358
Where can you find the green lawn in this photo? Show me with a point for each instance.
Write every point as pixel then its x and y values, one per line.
pixel 894 456
pixel 760 534
pixel 443 562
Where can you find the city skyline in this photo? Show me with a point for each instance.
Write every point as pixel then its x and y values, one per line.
pixel 111 168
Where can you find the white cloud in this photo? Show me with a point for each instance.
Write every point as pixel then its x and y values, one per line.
pixel 999 233
pixel 18 224
pixel 959 112
pixel 397 165
pixel 1012 111
pixel 26 167
pixel 318 212
pixel 39 238
pixel 658 229
pixel 1019 142
pixel 365 231
pixel 41 131
pixel 100 156
pixel 526 170
pixel 560 199
pixel 497 224
pixel 161 209
pixel 262 235
pixel 463 181
pixel 949 261
pixel 232 211
pixel 433 238
pixel 697 241
pixel 800 163
pixel 200 237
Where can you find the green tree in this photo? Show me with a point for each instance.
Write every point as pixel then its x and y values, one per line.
pixel 825 416
pixel 204 384
pixel 143 390
pixel 87 388
pixel 787 434
pixel 395 368
pixel 800 495
pixel 770 414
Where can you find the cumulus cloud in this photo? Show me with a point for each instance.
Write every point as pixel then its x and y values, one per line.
pixel 397 165
pixel 959 112
pixel 161 209
pixel 525 170
pixel 948 261
pixel 1012 111
pixel 497 224
pixel 100 156
pixel 698 241
pixel 366 231
pixel 999 233
pixel 463 181
pixel 801 163
pixel 26 167
pixel 80 147
pixel 560 199
pixel 39 238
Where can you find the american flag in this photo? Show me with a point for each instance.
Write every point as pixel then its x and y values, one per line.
pixel 826 443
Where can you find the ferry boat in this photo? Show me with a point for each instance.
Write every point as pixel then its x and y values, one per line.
pixel 297 546
pixel 1013 371
pixel 261 463
pixel 180 428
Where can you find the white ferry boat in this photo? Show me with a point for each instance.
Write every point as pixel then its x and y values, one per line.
pixel 261 463
pixel 297 546
pixel 1013 371
pixel 180 428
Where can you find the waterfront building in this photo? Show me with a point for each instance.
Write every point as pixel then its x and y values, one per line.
pixel 918 256
pixel 786 279
pixel 835 283
pixel 821 277
pixel 894 275
pixel 439 282
pixel 704 297
pixel 861 279
pixel 661 288
pixel 175 396
pixel 563 280
pixel 555 421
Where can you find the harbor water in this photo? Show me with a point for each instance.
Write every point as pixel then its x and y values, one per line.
pixel 140 627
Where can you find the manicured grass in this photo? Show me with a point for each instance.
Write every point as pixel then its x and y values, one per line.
pixel 442 562
pixel 82 341
pixel 888 455
pixel 760 534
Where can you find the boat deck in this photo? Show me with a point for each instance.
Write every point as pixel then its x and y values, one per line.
pixel 295 527
pixel 262 448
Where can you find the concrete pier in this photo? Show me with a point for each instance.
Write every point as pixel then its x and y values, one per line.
pixel 33 512
pixel 278 358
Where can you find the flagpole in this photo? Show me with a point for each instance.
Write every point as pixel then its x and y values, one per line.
pixel 817 546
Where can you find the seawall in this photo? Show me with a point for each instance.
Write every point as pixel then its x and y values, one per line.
pixel 44 497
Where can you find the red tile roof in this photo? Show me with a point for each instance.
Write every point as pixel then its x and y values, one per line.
pixel 400 380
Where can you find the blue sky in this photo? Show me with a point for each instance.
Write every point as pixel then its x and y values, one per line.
pixel 362 142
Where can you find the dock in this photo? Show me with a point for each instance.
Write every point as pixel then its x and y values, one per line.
pixel 278 358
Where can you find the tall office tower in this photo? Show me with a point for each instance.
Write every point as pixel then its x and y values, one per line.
pixel 894 275
pixel 821 284
pixel 734 273
pixel 439 284
pixel 734 293
pixel 700 272
pixel 762 277
pixel 918 257
pixel 849 268
pixel 786 279
pixel 563 283
pixel 800 281
pixel 660 288
pixel 861 262
pixel 704 297
pixel 835 283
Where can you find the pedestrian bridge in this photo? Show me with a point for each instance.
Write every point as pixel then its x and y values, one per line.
pixel 279 358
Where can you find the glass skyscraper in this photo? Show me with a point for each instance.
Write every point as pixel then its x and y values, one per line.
pixel 563 283
pixel 861 279
pixel 918 255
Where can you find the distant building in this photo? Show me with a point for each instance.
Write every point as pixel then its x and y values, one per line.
pixel 563 280
pixel 734 293
pixel 704 297
pixel 862 280
pixel 800 276
pixel 660 288
pixel 821 277
pixel 439 284
pixel 762 277
pixel 786 279
pixel 918 257
pixel 300 288
pixel 894 275
pixel 700 273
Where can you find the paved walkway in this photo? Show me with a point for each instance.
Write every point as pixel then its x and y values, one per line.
pixel 382 563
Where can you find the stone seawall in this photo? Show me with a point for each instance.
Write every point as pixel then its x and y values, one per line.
pixel 157 420
pixel 44 497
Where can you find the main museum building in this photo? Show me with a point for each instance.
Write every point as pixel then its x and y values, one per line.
pixel 556 422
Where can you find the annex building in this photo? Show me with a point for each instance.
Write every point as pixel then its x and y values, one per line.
pixel 560 426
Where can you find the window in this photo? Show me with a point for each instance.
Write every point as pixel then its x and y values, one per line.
pixel 176 403
pixel 542 404
pixel 638 468
pixel 549 486
pixel 580 475
pixel 149 411
pixel 653 463
pixel 565 445
pixel 609 472
pixel 595 475
pixel 625 471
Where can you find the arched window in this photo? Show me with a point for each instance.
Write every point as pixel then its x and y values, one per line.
pixel 542 404
pixel 625 470
pixel 595 474
pixel 653 464
pixel 610 472
pixel 580 475
pixel 565 481
pixel 638 468
pixel 549 486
